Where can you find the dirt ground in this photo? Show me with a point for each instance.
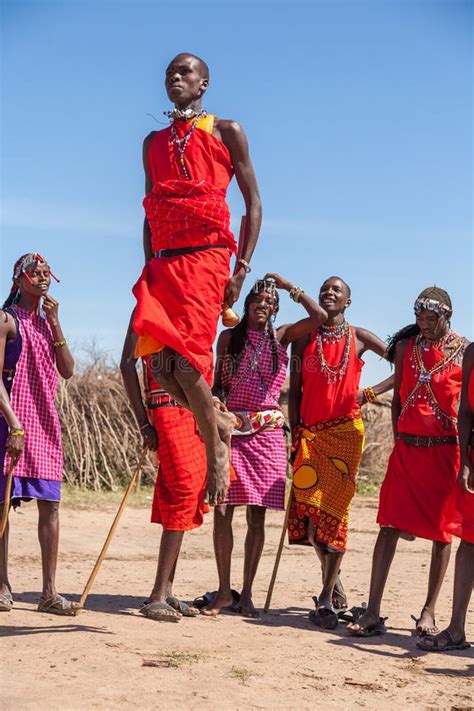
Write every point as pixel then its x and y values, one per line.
pixel 96 660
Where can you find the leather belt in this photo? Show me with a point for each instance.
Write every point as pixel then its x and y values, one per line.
pixel 187 250
pixel 423 441
pixel 161 401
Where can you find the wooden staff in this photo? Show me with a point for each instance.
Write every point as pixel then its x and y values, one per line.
pixel 110 534
pixel 279 551
pixel 6 502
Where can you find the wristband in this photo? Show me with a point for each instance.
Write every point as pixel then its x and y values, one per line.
pixel 17 433
pixel 296 293
pixel 59 344
pixel 245 265
pixel 370 395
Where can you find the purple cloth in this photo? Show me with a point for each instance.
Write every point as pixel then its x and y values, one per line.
pixel 25 488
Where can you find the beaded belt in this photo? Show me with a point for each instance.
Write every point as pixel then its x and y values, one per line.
pixel 187 250
pixel 422 441
pixel 156 401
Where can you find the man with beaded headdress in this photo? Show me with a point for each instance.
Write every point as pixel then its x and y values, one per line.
pixel 416 493
pixel 328 437
pixel 33 351
pixel 188 246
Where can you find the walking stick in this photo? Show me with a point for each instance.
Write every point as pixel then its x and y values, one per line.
pixel 6 502
pixel 279 552
pixel 110 534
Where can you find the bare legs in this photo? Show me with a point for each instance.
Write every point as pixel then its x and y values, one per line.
pixel 384 552
pixel 184 383
pixel 332 584
pixel 223 545
pixel 48 535
pixel 463 585
pixel 440 555
pixel 170 547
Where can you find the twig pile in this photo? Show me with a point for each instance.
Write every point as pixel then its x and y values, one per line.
pixel 100 435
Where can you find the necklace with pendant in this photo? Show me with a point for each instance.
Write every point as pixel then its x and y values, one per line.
pixel 336 372
pixel 182 143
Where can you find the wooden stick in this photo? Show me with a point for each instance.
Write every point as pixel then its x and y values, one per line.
pixel 279 551
pixel 6 502
pixel 114 525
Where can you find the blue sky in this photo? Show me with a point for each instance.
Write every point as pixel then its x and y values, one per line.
pixel 359 119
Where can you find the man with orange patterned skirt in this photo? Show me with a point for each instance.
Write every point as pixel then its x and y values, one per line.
pixel 188 245
pixel 328 436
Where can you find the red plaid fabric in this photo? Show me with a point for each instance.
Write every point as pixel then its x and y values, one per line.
pixel 32 397
pixel 187 213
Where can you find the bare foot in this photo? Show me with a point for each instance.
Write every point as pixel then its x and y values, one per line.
pixel 363 623
pixel 339 598
pixel 247 608
pixel 218 471
pixel 220 601
pixel 426 624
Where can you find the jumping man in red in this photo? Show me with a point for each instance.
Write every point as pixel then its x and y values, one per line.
pixel 188 246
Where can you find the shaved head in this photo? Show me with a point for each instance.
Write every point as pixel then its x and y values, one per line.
pixel 344 283
pixel 200 63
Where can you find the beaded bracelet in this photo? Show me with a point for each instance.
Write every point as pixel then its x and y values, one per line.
pixel 59 344
pixel 370 395
pixel 296 293
pixel 17 433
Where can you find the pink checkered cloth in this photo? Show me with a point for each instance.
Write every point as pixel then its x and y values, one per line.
pixel 259 459
pixel 32 397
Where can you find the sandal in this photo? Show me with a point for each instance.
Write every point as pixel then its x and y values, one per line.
pixel 207 598
pixel 339 601
pixel 160 612
pixel 324 617
pixel 6 602
pixel 182 607
pixel 424 631
pixel 431 643
pixel 377 628
pixel 59 605
pixel 354 614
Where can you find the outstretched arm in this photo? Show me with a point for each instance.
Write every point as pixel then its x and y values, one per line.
pixel 235 140
pixel 368 341
pixel 294 331
pixel 148 186
pixel 128 369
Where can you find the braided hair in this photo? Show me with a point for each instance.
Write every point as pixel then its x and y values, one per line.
pixel 432 298
pixel 238 336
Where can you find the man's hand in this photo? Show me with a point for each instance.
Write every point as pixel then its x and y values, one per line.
pixel 466 479
pixel 280 282
pixel 232 290
pixel 51 307
pixel 150 437
pixel 15 446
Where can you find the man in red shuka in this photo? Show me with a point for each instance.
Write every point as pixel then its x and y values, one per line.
pixel 188 246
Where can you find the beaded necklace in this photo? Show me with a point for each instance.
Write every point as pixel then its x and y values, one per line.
pixel 457 345
pixel 252 364
pixel 181 143
pixel 336 372
pixel 332 334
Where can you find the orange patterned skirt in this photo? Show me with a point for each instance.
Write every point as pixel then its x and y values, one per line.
pixel 325 471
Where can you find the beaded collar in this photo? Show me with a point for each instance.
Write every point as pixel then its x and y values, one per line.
pixel 331 334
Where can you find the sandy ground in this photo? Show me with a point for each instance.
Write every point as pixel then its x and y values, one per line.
pixel 95 661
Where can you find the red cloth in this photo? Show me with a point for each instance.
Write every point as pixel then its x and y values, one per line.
pixel 179 299
pixel 415 494
pixel 324 401
pixel 460 517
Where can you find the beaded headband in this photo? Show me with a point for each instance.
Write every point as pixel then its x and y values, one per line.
pixel 26 261
pixel 265 285
pixel 431 305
